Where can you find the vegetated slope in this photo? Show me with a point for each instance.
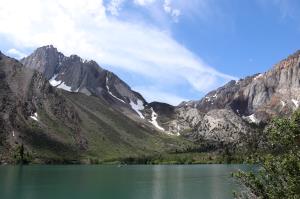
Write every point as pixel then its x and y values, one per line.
pixel 54 125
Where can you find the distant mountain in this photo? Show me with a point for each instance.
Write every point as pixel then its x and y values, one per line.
pixel 225 114
pixel 55 125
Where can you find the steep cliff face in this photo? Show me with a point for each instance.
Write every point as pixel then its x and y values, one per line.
pixel 26 97
pixel 77 75
pixel 224 114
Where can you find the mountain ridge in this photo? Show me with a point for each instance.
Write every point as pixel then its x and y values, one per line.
pixel 254 99
pixel 84 111
pixel 241 99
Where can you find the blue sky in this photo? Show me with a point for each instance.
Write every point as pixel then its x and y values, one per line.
pixel 168 50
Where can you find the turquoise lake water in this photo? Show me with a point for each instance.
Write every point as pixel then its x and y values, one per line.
pixel 113 182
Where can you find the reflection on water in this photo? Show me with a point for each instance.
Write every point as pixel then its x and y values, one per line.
pixel 111 182
pixel 157 182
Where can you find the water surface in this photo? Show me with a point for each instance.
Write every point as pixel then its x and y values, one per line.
pixel 113 182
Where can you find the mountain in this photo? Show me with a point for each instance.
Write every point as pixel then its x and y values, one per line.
pixel 223 115
pixel 55 125
pixel 64 108
pixel 226 113
pixel 74 74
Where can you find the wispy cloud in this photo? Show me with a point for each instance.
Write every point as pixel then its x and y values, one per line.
pixel 115 6
pixel 84 28
pixel 163 6
pixel 173 12
pixel 152 94
pixel 144 2
pixel 16 53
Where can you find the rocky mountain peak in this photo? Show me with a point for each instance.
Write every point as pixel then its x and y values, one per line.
pixel 45 59
pixel 289 61
pixel 76 58
pixel 75 74
pixel 48 51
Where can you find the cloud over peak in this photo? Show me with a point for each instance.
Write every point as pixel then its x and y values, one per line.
pixel 84 28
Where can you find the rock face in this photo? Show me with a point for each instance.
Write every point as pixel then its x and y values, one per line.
pixel 74 74
pixel 25 95
pixel 78 75
pixel 224 114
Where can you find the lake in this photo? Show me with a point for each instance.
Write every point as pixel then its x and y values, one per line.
pixel 113 182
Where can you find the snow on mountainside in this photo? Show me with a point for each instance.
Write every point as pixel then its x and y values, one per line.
pixel 154 120
pixel 74 74
pixel 138 107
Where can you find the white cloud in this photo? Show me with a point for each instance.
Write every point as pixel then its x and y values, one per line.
pixel 151 93
pixel 16 53
pixel 82 27
pixel 143 2
pixel 174 13
pixel 115 6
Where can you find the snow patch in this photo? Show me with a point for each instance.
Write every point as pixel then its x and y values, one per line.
pixel 212 98
pixel 296 103
pixel 207 99
pixel 77 90
pixel 54 82
pixel 34 117
pixel 138 107
pixel 64 87
pixel 60 84
pixel 154 120
pixel 258 76
pixel 112 93
pixel 251 118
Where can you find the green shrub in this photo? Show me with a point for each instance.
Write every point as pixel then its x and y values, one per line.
pixel 279 174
